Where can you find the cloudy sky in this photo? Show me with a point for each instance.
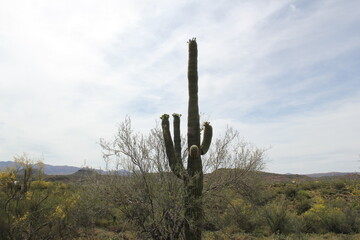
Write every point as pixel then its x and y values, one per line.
pixel 284 73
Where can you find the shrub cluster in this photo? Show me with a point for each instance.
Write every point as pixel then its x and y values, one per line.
pixel 122 207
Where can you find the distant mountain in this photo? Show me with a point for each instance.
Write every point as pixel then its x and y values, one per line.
pixel 288 177
pixel 48 169
pixel 329 174
pixel 4 165
pixel 59 170
pixel 67 170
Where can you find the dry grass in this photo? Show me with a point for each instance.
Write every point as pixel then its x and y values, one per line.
pixel 328 236
pixel 101 234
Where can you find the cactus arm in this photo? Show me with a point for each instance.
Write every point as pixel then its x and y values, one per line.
pixel 175 164
pixel 177 136
pixel 208 131
pixel 194 151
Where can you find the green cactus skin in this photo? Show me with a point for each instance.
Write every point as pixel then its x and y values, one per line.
pixel 207 138
pixel 174 158
pixel 193 175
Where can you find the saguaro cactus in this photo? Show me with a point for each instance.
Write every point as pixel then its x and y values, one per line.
pixel 193 174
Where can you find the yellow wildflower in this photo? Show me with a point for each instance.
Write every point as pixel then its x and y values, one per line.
pixel 59 212
pixel 28 195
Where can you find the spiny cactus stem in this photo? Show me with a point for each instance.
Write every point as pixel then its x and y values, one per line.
pixel 164 116
pixel 193 107
pixel 175 163
pixel 208 132
pixel 177 136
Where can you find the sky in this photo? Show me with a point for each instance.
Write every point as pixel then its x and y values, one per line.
pixel 284 73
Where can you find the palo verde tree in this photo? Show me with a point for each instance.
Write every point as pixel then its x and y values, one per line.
pixel 31 208
pixel 192 176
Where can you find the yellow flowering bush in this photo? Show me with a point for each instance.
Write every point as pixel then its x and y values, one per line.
pixel 34 208
pixel 40 184
pixel 6 178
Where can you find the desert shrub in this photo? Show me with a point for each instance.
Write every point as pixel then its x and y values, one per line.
pixel 334 220
pixel 302 206
pixel 302 194
pixel 291 191
pixel 339 185
pixel 352 219
pixel 331 216
pixel 311 185
pixel 313 217
pixel 243 215
pixel 344 215
pixel 277 217
pixel 215 209
pixel 152 212
pixel 302 202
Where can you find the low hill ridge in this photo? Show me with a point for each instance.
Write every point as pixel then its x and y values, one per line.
pixel 67 170
pixel 61 169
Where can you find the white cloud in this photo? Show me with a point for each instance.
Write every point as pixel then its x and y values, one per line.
pixel 281 71
pixel 311 141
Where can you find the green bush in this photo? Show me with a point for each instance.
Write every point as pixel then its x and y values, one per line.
pixel 302 206
pixel 334 220
pixel 277 216
pixel 244 215
pixel 302 194
pixel 291 191
pixel 335 216
pixel 312 185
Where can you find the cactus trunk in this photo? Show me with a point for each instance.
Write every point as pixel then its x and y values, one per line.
pixel 193 175
pixel 194 186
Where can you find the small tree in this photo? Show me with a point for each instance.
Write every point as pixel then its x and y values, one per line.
pixel 150 197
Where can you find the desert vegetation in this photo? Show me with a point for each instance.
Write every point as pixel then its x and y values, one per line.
pixel 148 205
